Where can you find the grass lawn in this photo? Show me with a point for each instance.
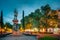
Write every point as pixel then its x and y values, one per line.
pixel 48 38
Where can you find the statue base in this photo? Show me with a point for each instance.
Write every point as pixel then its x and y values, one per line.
pixel 16 33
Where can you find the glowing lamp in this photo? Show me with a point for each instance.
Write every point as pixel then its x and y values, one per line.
pixel 43 30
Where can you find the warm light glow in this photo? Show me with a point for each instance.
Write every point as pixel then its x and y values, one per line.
pixel 21 29
pixel 9 30
pixel 51 22
pixel 35 29
pixel 56 30
pixel 43 30
pixel 2 30
pixel 27 30
pixel 30 30
pixel 4 27
pixel 50 30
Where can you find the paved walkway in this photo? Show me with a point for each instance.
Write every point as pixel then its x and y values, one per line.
pixel 23 37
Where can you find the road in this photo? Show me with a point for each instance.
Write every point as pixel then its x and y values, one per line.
pixel 23 37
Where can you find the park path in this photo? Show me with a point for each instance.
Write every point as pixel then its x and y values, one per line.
pixel 22 37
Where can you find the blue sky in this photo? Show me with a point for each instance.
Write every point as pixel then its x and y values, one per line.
pixel 28 6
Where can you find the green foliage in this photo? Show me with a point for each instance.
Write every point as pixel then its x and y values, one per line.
pixel 48 38
pixel 8 25
pixel 45 8
pixel 39 17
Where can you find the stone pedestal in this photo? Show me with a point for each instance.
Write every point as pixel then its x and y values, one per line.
pixel 16 33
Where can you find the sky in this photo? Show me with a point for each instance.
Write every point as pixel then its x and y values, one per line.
pixel 28 6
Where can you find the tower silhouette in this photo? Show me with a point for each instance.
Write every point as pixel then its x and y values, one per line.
pixel 15 21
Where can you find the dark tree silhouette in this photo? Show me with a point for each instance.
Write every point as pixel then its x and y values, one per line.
pixel 23 23
pixel 1 19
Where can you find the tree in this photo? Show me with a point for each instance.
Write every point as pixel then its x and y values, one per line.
pixel 34 18
pixel 46 9
pixel 2 24
pixel 8 25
